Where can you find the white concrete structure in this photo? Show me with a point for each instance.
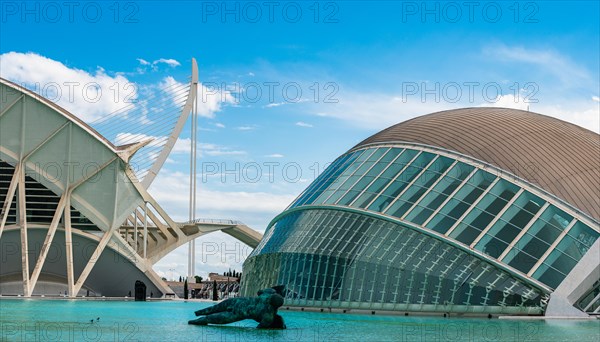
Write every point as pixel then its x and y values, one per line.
pixel 74 217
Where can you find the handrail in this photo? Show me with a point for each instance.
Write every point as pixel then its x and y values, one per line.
pixel 214 221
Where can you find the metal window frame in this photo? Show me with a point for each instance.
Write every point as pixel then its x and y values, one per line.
pixel 451 195
pixel 552 247
pixel 378 176
pixel 309 191
pixel 411 183
pixel 474 205
pixel 442 176
pixel 313 195
pixel 362 177
pixel 497 217
pixel 393 180
pixel 592 302
pixel 523 231
pixel 346 180
pixel 506 175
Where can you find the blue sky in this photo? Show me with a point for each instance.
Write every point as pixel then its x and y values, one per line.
pixel 374 64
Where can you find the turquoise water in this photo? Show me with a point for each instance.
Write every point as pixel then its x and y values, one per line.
pixel 63 320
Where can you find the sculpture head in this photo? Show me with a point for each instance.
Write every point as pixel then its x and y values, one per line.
pixel 276 300
pixel 279 289
pixel 274 295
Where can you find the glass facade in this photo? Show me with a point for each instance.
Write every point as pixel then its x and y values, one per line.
pixel 418 208
pixel 334 258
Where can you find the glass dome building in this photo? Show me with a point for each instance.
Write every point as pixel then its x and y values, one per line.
pixel 470 211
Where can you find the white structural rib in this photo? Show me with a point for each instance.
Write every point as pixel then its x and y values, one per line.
pixel 10 196
pixel 187 108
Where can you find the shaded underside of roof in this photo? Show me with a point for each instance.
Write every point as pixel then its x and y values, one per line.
pixel 559 157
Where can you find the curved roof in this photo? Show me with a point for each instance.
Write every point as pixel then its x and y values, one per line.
pixel 62 111
pixel 32 132
pixel 559 157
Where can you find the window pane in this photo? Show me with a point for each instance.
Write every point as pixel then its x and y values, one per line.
pixel 439 193
pixel 399 164
pixel 538 239
pixel 367 178
pixel 403 180
pixel 486 210
pixel 510 224
pixel 463 199
pixel 343 176
pixel 420 186
pixel 566 255
pixel 333 171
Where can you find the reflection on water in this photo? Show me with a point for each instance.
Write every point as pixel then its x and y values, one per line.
pixel 76 320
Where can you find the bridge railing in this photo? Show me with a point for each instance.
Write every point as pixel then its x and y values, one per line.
pixel 214 221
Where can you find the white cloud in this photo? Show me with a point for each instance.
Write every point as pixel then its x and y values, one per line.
pixel 210 101
pixel 303 124
pixel 171 191
pixel 508 101
pixel 182 145
pixel 170 62
pixel 595 98
pixel 220 125
pixel 551 61
pixel 145 64
pixel 274 155
pixel 215 252
pixel 171 86
pixel 275 104
pixel 584 114
pixel 217 150
pixel 255 209
pixel 87 95
pixel 380 111
pixel 124 138
pixel 377 110
pixel 246 128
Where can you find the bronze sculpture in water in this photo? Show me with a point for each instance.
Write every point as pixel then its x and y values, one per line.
pixel 262 309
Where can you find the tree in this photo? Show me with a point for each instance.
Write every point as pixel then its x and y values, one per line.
pixel 180 279
pixel 215 294
pixel 185 289
pixel 198 279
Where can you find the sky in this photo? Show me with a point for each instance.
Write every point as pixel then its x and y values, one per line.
pixel 287 87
